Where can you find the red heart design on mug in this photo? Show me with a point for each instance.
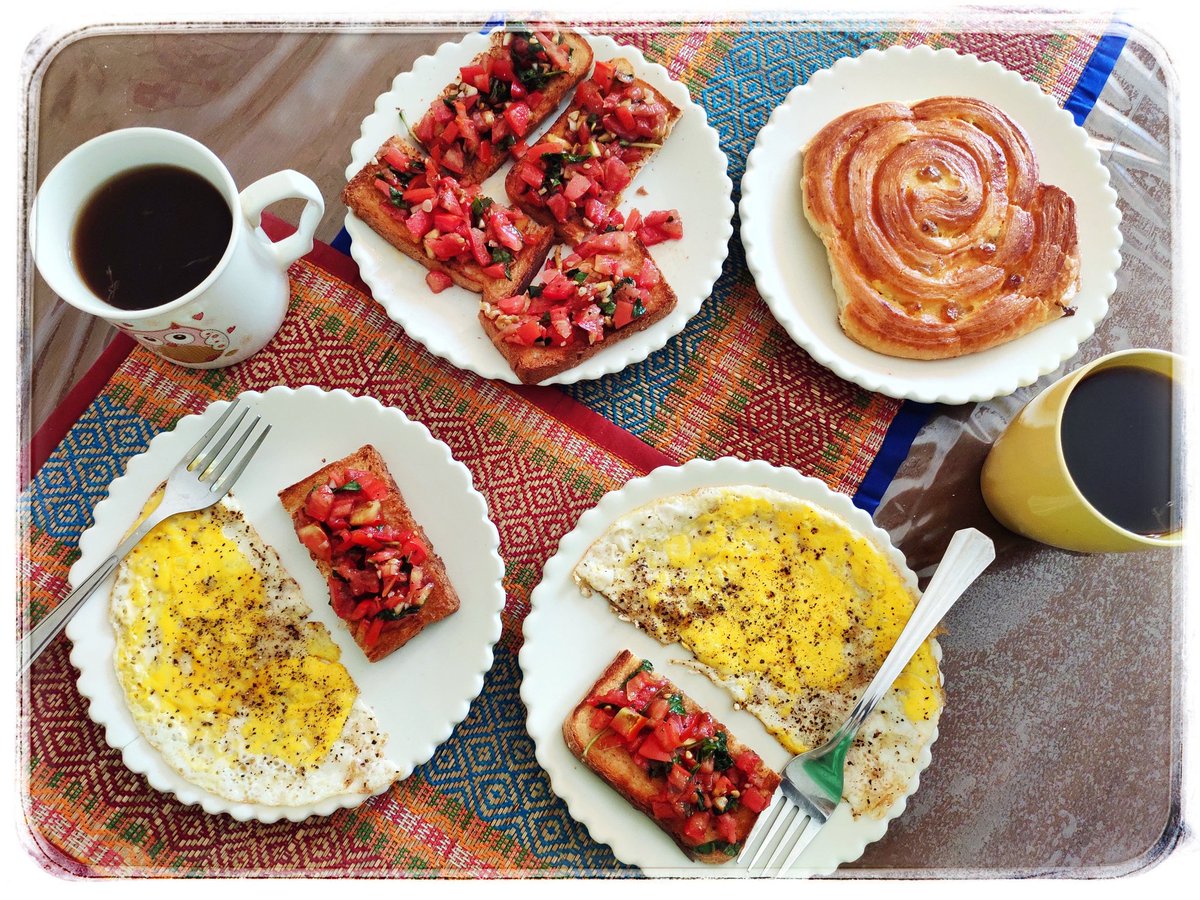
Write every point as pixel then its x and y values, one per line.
pixel 198 316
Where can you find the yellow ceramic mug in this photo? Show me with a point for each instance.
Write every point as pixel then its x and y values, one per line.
pixel 1028 487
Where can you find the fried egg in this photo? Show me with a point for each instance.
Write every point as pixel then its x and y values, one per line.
pixel 226 677
pixel 788 608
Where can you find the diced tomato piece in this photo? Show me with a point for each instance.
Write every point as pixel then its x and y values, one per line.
pixel 479 250
pixel 502 68
pixel 319 502
pixel 658 710
pixel 628 722
pixel 447 246
pixel 424 130
pixel 495 271
pixel 596 212
pixel 470 72
pixel 678 778
pixel 616 175
pixel 577 187
pixel 559 206
pixel 340 597
pixel 454 160
pixel 419 194
pixel 396 158
pixel 589 97
pixel 755 800
pixel 385 188
pixel 651 235
pixel 373 632
pixel 602 75
pixel 748 761
pixel 667 221
pixel 560 288
pixel 556 54
pixel 537 151
pixel 446 222
pixel 648 275
pixel 624 314
pixel 500 226
pixel 607 242
pixel 485 152
pixel 727 829
pixel 625 117
pixel 531 175
pixel 663 810
pixel 415 551
pixel 651 749
pixel 513 305
pixel 697 826
pixel 528 333
pixel 314 538
pixel 517 116
pixel 419 223
pixel 600 719
pixel 609 698
pixel 438 281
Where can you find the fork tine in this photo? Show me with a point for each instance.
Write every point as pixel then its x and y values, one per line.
pixel 192 457
pixel 811 830
pixel 226 484
pixel 217 468
pixel 768 830
pixel 798 821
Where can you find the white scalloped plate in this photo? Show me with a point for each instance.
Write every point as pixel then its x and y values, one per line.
pixel 569 639
pixel 688 174
pixel 310 427
pixel 790 265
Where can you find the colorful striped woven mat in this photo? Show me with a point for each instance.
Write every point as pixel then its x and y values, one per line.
pixel 732 383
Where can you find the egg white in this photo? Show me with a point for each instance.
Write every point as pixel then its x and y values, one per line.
pixel 209 748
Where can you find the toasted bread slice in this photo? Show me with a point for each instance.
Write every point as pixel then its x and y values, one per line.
pixel 373 193
pixel 534 363
pixel 404 622
pixel 576 147
pixel 546 83
pixel 616 764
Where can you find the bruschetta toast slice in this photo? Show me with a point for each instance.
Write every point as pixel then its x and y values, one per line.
pixel 670 759
pixel 502 96
pixel 573 177
pixel 386 581
pixel 603 291
pixel 449 226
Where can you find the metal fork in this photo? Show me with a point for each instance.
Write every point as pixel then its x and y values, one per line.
pixel 198 481
pixel 812 782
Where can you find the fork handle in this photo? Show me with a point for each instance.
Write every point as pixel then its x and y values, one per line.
pixel 40 636
pixel 968 554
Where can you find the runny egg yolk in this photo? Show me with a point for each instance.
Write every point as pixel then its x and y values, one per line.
pixel 206 653
pixel 790 595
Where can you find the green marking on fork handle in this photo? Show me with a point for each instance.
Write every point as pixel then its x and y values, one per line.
pixel 829 770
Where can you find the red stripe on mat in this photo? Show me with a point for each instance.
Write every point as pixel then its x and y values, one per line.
pixel 550 400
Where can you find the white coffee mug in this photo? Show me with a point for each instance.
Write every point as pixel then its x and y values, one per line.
pixel 238 308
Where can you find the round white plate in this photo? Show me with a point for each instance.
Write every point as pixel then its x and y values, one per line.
pixel 790 265
pixel 311 427
pixel 569 639
pixel 688 174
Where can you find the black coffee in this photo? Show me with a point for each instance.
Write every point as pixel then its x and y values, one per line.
pixel 149 235
pixel 1120 437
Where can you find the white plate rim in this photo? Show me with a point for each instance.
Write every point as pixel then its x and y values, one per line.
pixel 691 272
pixel 1015 363
pixel 632 837
pixel 91 651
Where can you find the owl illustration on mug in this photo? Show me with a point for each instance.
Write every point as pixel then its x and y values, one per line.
pixel 184 343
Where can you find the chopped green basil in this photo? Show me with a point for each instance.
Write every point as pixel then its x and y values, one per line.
pixel 535 290
pixel 391 615
pixel 350 486
pixel 501 255
pixel 478 207
pixel 675 704
pixel 716 747
pixel 577 275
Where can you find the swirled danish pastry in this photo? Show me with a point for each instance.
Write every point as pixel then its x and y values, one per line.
pixel 941 239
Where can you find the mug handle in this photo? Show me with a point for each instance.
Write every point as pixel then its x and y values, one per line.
pixel 282 186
